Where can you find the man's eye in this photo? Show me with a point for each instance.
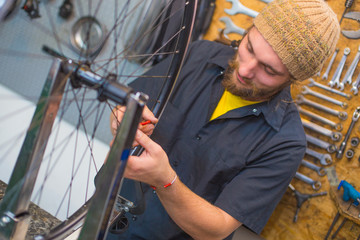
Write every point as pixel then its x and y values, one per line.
pixel 249 49
pixel 269 71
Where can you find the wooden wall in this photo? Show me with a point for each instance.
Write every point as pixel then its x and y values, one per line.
pixel 316 214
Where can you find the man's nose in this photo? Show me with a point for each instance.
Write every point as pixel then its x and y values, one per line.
pixel 247 68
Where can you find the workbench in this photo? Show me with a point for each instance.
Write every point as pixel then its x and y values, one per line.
pixel 316 214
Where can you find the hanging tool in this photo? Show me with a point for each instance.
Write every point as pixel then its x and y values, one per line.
pixel 349 192
pixel 301 198
pixel 350 72
pixel 348 4
pixel 316 185
pixel 352 34
pixel 355 85
pixel 326 74
pixel 332 225
pixel 342 146
pixel 336 77
pixel 231 27
pixel 237 7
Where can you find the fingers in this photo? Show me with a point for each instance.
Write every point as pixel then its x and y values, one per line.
pixel 116 116
pixel 148 115
pixel 147 126
pixel 145 141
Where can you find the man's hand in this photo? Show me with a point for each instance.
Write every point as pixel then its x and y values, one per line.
pixel 146 126
pixel 152 166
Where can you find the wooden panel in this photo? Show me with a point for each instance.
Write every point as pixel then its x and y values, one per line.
pixel 316 214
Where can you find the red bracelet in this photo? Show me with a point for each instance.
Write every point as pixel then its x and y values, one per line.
pixel 167 185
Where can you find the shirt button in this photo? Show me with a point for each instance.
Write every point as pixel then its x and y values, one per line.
pixel 254 110
pixel 176 163
pixel 198 137
pixel 221 72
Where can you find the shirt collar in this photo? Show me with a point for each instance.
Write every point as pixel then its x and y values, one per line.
pixel 273 110
pixel 222 59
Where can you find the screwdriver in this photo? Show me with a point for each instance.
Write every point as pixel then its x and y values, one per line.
pixel 348 4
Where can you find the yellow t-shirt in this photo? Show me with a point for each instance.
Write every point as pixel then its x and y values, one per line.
pixel 229 102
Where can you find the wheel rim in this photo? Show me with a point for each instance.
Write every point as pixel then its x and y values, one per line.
pixel 16 54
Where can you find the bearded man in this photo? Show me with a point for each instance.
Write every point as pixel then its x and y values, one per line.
pixel 230 139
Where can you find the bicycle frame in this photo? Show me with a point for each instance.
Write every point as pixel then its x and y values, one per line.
pixel 14 214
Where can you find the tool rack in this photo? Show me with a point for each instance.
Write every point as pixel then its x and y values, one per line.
pixel 316 214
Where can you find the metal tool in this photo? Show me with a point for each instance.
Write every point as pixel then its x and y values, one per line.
pixel 349 154
pixel 352 34
pixel 316 185
pixel 335 136
pixel 326 74
pixel 231 27
pixel 324 159
pixel 237 7
pixel 302 100
pixel 319 170
pixel 342 146
pixel 355 85
pixel 306 90
pixel 266 1
pixel 332 225
pixel 301 198
pixel 354 141
pixel 350 72
pixel 336 126
pixel 329 147
pixel 349 192
pixel 348 4
pixel 319 85
pixel 336 77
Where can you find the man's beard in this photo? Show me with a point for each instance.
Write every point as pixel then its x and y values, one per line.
pixel 249 92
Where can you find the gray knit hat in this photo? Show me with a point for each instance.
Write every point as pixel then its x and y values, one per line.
pixel 303 33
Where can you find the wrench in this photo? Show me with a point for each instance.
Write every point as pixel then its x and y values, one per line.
pixel 316 185
pixel 316 84
pixel 335 136
pixel 342 146
pixel 325 159
pixel 237 7
pixel 306 90
pixel 336 126
pixel 231 27
pixel 319 170
pixel 336 78
pixel 302 100
pixel 355 85
pixel 321 144
pixel 350 72
pixel 319 72
pixel 326 74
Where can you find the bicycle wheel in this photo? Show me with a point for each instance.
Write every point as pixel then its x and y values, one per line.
pixel 118 41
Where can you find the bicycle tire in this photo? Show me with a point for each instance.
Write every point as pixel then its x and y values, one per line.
pixel 66 50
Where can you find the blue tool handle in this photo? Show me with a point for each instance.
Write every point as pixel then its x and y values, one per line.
pixel 349 192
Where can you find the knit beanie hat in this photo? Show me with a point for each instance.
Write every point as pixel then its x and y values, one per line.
pixel 303 33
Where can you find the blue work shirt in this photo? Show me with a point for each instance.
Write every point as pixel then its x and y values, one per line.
pixel 242 161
